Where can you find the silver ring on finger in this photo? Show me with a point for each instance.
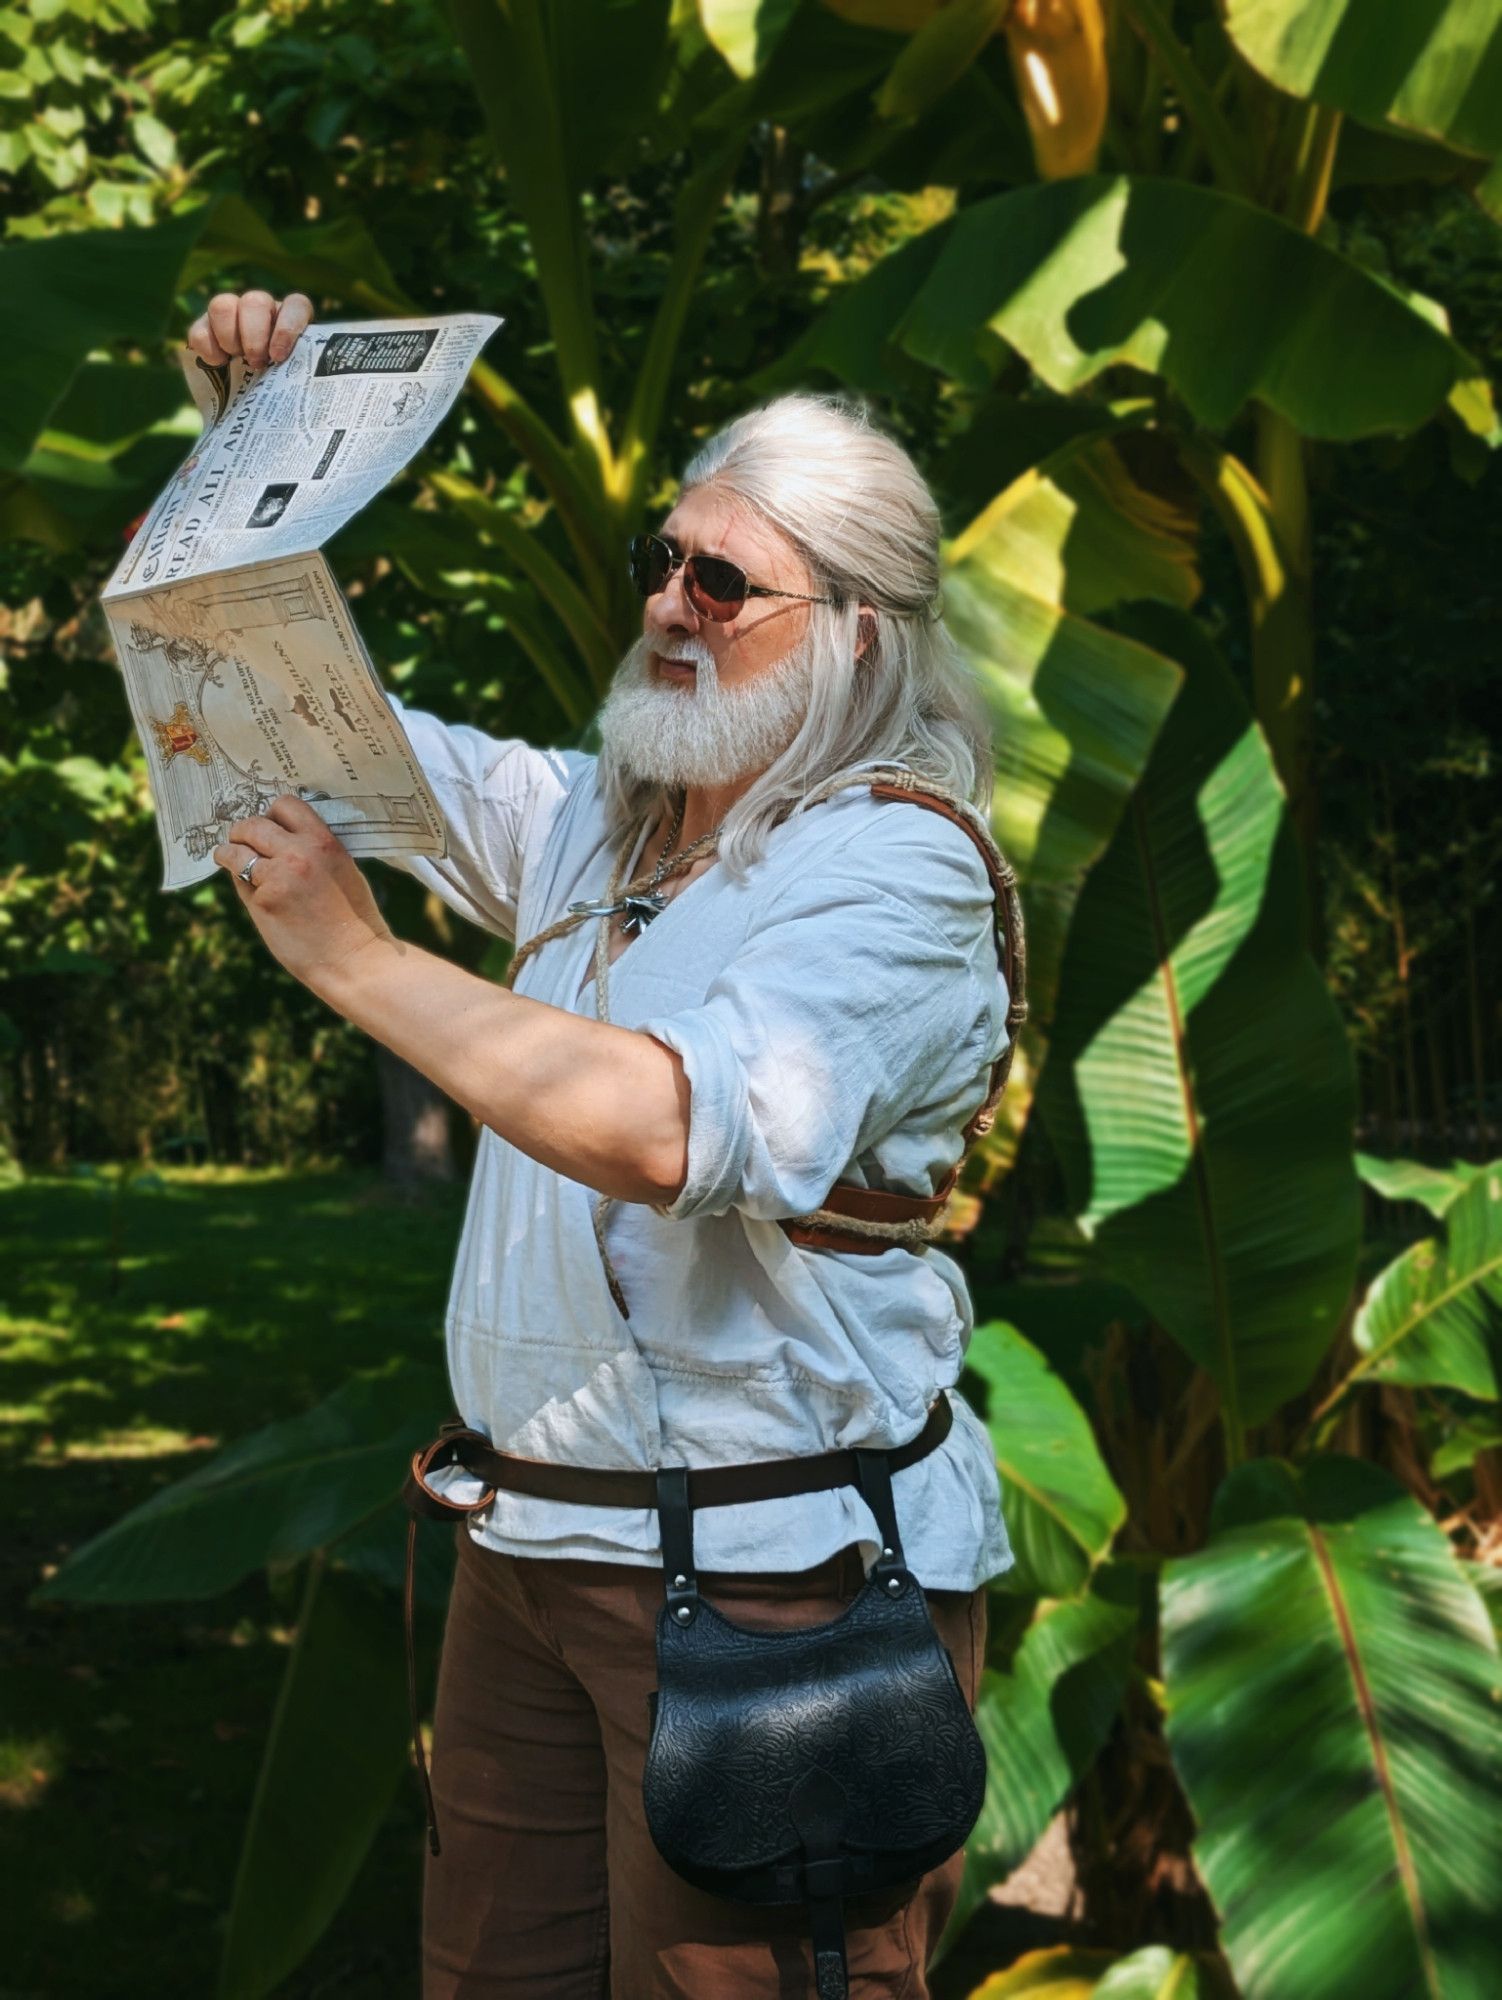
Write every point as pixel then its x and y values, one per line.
pixel 245 871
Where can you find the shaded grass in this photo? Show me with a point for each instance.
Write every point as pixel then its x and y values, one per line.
pixel 138 1332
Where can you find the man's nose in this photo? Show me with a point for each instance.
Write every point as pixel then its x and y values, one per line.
pixel 669 609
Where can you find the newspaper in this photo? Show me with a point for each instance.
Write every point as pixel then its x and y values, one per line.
pixel 245 673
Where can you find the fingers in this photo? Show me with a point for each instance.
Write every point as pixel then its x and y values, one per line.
pixel 261 835
pixel 231 856
pixel 252 324
pixel 288 810
pixel 257 311
pixel 294 314
pixel 201 335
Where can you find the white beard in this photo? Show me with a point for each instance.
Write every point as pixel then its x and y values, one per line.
pixel 700 732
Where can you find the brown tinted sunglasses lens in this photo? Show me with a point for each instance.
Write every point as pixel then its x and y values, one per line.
pixel 716 588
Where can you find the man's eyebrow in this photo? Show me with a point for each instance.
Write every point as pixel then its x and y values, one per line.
pixel 678 549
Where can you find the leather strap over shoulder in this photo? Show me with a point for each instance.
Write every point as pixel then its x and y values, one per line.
pixel 870 1220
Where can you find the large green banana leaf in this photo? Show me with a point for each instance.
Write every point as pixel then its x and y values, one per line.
pixel 1043 1722
pixel 1060 1504
pixel 1219 297
pixel 67 295
pixel 1199 1089
pixel 67 429
pixel 1435 1314
pixel 336 1751
pixel 273 1496
pixel 1410 1180
pixel 1335 1714
pixel 1081 533
pixel 1434 67
pixel 556 79
pixel 1065 1972
pixel 1076 709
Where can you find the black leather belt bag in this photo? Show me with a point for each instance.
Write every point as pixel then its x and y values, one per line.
pixel 789 1766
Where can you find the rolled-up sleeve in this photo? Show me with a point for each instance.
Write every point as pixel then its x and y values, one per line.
pixel 844 1009
pixel 495 794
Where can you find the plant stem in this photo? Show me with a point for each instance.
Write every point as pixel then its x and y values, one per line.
pixel 1222 147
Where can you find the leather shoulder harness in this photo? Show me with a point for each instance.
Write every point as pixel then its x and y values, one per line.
pixel 870 1220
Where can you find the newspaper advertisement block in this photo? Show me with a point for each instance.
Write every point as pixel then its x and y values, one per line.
pixel 245 673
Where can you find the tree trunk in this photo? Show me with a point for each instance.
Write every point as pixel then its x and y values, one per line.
pixel 415 1118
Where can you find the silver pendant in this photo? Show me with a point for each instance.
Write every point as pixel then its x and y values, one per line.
pixel 640 910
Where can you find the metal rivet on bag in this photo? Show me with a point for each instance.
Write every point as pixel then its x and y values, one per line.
pixel 894 1584
pixel 680 1578
pixel 683 1614
pixel 886 1552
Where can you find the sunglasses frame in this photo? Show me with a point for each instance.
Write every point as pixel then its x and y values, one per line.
pixel 692 585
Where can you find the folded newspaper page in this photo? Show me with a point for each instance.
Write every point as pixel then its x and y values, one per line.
pixel 246 675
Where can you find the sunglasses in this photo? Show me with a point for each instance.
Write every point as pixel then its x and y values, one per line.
pixel 714 587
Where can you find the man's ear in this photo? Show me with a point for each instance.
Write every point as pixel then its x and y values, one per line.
pixel 865 630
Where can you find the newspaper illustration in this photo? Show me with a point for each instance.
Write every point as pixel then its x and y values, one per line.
pixel 244 669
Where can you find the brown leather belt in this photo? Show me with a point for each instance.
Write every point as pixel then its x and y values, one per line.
pixel 603 1486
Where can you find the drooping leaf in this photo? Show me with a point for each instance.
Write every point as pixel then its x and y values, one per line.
pixel 1334 1694
pixel 336 1751
pixel 1411 1180
pixel 1435 1314
pixel 1044 1720
pixel 1060 1504
pixel 275 1495
pixel 1076 708
pixel 1078 531
pixel 1435 68
pixel 1199 1091
pixel 940 52
pixel 1222 299
pixel 68 295
pixel 1459 1451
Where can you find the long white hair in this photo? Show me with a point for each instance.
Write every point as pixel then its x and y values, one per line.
pixel 860 514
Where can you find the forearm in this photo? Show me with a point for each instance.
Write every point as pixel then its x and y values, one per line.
pixel 601 1104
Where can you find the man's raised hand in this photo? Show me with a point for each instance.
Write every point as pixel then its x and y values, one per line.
pixel 253 324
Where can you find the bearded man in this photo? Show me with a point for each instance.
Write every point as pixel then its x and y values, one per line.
pixel 743 981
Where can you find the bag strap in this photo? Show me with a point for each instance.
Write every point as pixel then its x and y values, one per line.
pixel 870 1220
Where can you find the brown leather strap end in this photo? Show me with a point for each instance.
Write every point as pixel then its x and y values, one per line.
pixel 449 1448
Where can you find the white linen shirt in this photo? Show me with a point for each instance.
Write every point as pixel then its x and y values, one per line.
pixel 837 1014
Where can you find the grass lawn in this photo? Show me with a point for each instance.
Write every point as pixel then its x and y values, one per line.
pixel 138 1333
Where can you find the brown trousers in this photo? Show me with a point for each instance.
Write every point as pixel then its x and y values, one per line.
pixel 548 1886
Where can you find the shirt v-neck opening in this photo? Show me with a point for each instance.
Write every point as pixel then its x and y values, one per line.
pixel 585 990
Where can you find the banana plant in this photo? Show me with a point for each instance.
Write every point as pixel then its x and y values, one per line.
pixel 1195 251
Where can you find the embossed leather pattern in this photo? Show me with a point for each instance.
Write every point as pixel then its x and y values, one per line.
pixel 740 1717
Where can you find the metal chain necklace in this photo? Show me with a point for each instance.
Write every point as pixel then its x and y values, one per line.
pixel 637 911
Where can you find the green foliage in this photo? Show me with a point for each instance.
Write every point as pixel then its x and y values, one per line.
pixel 1156 401
pixel 1333 1690
pixel 335 1754
pixel 1199 1094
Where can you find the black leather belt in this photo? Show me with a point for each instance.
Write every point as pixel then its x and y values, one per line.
pixel 605 1486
